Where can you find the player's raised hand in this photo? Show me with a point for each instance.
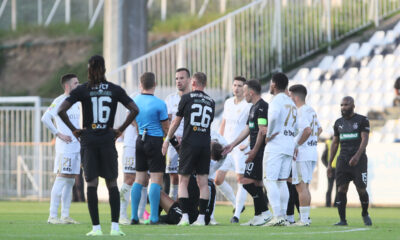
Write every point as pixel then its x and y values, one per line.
pixel 65 138
pixel 164 148
pixel 227 149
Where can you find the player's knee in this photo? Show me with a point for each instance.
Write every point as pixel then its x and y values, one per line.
pixel 111 183
pixel 343 188
pixel 361 191
pixel 93 183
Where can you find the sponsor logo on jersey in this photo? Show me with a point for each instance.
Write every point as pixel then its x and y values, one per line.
pixel 288 133
pixel 99 126
pixel 355 125
pixel 251 124
pixel 348 136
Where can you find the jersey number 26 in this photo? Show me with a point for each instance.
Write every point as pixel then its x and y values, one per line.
pixel 200 116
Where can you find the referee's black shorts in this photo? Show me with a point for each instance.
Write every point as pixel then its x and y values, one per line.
pixel 194 159
pixel 148 154
pixel 99 155
pixel 358 174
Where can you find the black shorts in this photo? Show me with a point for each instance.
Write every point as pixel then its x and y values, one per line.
pixel 148 154
pixel 99 155
pixel 194 159
pixel 254 169
pixel 358 174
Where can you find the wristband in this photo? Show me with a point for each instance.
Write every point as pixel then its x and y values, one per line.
pixel 166 139
pixel 174 141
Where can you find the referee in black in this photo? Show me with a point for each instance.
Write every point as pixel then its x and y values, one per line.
pixel 351 131
pixel 197 110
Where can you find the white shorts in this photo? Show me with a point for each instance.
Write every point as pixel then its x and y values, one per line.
pixel 172 160
pixel 67 163
pixel 235 161
pixel 276 165
pixel 302 171
pixel 128 160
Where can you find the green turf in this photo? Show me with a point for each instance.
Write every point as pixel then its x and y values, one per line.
pixel 27 220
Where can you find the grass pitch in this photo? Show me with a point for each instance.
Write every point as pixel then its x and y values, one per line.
pixel 28 220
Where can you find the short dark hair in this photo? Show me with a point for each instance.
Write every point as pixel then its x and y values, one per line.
pixel 183 69
pixel 148 80
pixel 254 85
pixel 239 78
pixel 299 90
pixel 281 81
pixel 66 78
pixel 201 78
pixel 216 151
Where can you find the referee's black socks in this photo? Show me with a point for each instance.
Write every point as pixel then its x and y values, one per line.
pixel 114 200
pixel 93 205
pixel 341 205
pixel 364 199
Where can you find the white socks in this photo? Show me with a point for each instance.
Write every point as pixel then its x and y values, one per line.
pixel 241 197
pixel 56 192
pixel 125 194
pixel 114 226
pixel 284 196
pixel 173 191
pixel 304 214
pixel 200 218
pixel 274 197
pixel 66 196
pixel 143 202
pixel 96 227
pixel 227 191
pixel 185 217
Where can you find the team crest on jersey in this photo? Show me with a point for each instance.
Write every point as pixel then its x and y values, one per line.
pixel 195 128
pixel 355 125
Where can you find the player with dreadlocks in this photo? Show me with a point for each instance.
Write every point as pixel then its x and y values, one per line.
pixel 99 100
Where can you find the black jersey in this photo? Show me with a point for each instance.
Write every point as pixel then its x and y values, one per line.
pixel 258 115
pixel 99 104
pixel 349 133
pixel 197 109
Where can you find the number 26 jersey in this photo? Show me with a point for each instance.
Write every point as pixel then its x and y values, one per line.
pixel 197 109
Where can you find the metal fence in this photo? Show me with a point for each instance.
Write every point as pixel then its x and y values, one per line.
pixel 26 149
pixel 254 41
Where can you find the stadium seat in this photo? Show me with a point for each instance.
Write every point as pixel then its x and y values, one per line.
pixel 390 37
pixel 337 63
pixel 350 74
pixel 314 74
pixel 326 86
pixel 377 39
pixel 375 62
pixel 376 100
pixel 364 51
pixel 388 99
pixel 363 74
pixel 363 86
pixel 337 86
pixel 314 99
pixel 376 86
pixel 396 28
pixel 326 63
pixel 397 51
pixel 388 61
pixel 351 50
pixel 362 99
pixel 314 86
pixel 301 75
pixel 376 73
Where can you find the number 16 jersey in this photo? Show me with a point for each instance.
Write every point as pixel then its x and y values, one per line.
pixel 197 109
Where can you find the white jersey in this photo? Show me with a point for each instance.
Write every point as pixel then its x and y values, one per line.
pixel 130 136
pixel 307 117
pixel 74 116
pixel 172 101
pixel 215 165
pixel 282 118
pixel 235 116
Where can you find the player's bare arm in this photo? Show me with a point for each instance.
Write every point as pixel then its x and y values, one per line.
pixel 260 137
pixel 334 148
pixel 242 136
pixel 364 142
pixel 133 112
pixel 62 112
pixel 172 129
pixel 165 126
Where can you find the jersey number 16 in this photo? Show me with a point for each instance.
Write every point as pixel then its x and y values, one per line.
pixel 101 112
